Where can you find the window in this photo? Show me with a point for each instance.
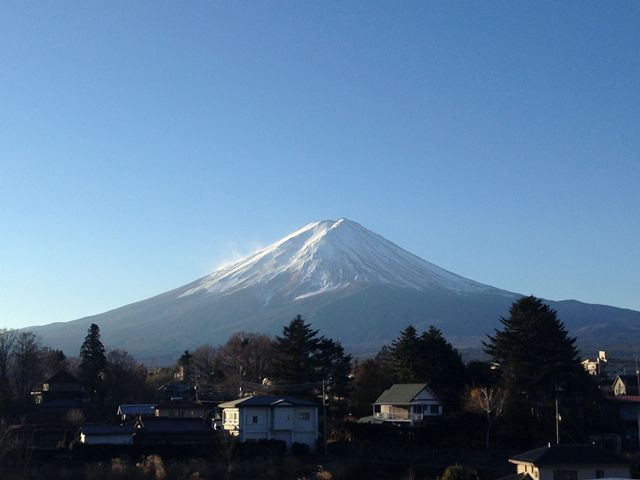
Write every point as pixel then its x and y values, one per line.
pixel 599 473
pixel 304 416
pixel 254 419
pixel 565 475
pixel 376 408
pixel 435 409
pixel 417 409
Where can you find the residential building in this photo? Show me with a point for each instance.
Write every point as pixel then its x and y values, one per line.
pixel 107 434
pixel 596 366
pixel 407 403
pixel 290 419
pixel 61 387
pixel 568 462
pixel 134 410
pixel 182 410
pixel 626 385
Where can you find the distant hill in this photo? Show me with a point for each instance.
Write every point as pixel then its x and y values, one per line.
pixel 350 283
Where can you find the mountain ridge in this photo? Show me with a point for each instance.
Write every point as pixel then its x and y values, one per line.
pixel 351 283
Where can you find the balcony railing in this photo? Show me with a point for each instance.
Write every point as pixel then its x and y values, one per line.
pixel 398 416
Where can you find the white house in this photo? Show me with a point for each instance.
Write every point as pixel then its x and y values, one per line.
pixel 406 403
pixel 293 420
pixel 568 462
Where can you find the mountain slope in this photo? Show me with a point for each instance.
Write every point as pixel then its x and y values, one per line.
pixel 352 284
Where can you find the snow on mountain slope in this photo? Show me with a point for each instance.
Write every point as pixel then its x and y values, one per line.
pixel 350 283
pixel 330 255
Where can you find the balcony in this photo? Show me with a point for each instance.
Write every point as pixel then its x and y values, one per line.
pixel 398 416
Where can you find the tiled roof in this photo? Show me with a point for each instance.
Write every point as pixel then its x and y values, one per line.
pixel 568 455
pixel 267 401
pixel 137 409
pixel 107 429
pixel 62 377
pixel 402 393
pixel 173 425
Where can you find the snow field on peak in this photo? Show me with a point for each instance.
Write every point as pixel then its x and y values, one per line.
pixel 329 255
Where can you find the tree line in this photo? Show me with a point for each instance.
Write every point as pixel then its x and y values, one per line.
pixel 531 361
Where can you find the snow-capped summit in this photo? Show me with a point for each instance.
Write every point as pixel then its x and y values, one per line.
pixel 328 255
pixel 350 283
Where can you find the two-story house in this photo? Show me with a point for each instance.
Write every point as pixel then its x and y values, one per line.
pixel 293 420
pixel 406 403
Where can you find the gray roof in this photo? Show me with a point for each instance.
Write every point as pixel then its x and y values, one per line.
pixel 402 393
pixel 569 455
pixel 267 401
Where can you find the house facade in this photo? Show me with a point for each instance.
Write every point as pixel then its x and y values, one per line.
pixel 569 462
pixel 292 420
pixel 407 403
pixel 626 385
pixel 61 387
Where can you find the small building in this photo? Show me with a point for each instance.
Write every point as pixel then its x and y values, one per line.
pixel 293 420
pixel 626 385
pixel 181 410
pixel 61 387
pixel 568 462
pixel 131 411
pixel 106 434
pixel 407 403
pixel 173 431
pixel 596 366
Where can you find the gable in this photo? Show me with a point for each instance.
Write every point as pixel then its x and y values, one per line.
pixel 406 393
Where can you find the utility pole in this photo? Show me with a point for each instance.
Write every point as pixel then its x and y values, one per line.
pixel 557 421
pixel 324 417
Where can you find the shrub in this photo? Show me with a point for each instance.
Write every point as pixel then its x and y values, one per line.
pixel 300 449
pixel 459 472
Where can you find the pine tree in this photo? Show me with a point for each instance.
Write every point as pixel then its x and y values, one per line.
pixel 440 366
pixel 92 359
pixel 295 359
pixel 333 366
pixel 404 354
pixel 537 360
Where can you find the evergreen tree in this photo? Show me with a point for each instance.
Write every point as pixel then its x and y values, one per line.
pixel 440 366
pixel 537 360
pixel 186 362
pixel 405 359
pixel 295 358
pixel 333 366
pixel 92 359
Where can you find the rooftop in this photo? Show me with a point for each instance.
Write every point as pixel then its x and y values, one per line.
pixel 402 393
pixel 568 455
pixel 267 401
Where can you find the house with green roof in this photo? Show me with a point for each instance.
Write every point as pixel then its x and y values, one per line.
pixel 406 403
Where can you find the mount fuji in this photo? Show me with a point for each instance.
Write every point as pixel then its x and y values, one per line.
pixel 350 283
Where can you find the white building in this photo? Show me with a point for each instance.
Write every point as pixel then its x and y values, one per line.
pixel 406 403
pixel 290 419
pixel 568 462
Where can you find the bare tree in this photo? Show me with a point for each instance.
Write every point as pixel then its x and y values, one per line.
pixel 207 364
pixel 124 377
pixel 27 363
pixel 487 400
pixel 248 354
pixel 7 343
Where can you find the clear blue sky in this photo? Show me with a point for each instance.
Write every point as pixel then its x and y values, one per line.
pixel 142 144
